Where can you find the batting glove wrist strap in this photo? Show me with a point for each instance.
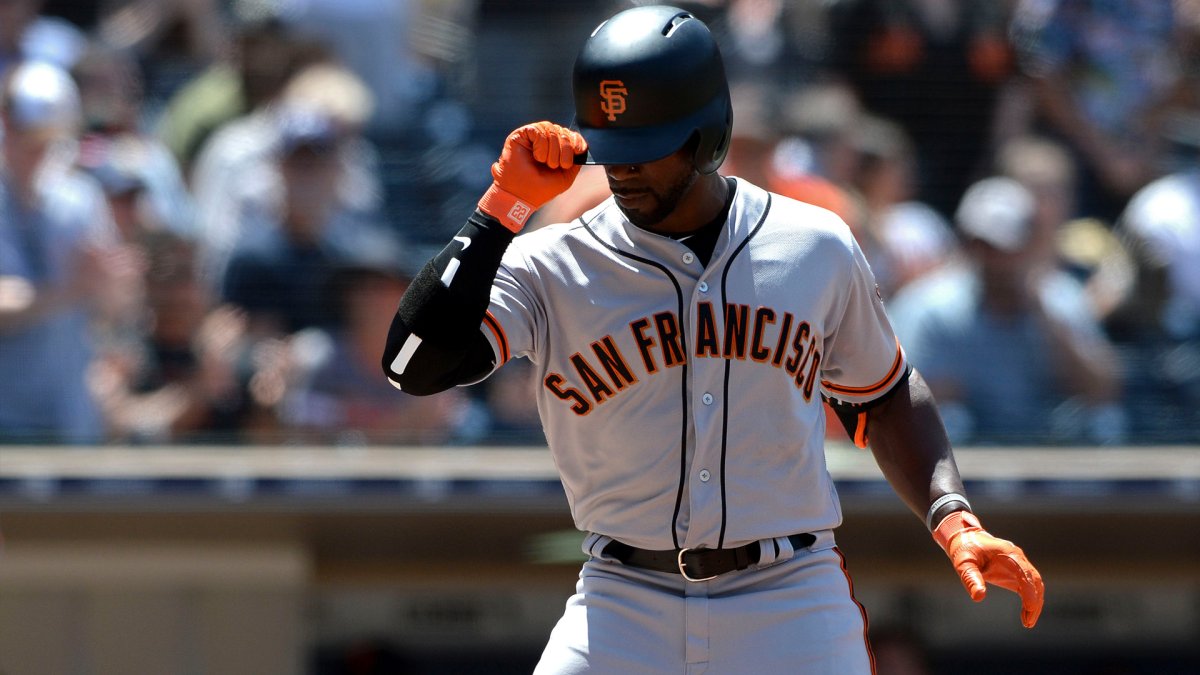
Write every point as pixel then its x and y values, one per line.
pixel 939 503
pixel 505 207
pixel 952 525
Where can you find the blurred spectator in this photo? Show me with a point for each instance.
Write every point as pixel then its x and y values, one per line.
pixel 263 59
pixel 1009 344
pixel 133 166
pixel 26 36
pixel 343 97
pixel 289 199
pixel 120 168
pixel 508 86
pixel 1174 115
pixel 237 178
pixel 373 38
pixel 1044 168
pixel 936 67
pixel 338 396
pixel 182 379
pixel 173 40
pixel 776 42
pixel 1158 327
pixel 754 133
pixel 1098 70
pixel 59 263
pixel 1091 252
pixel 1162 225
pixel 1083 247
pixel 913 239
pixel 280 271
pixel 815 159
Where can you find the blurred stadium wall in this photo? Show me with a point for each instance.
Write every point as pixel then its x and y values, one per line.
pixel 320 560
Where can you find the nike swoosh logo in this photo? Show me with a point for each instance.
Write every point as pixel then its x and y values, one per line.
pixel 466 241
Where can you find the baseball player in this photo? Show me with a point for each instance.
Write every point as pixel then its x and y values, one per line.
pixel 685 332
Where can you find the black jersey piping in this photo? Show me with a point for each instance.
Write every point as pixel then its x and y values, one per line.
pixel 725 392
pixel 683 388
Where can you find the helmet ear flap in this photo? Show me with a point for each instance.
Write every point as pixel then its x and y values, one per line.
pixel 714 145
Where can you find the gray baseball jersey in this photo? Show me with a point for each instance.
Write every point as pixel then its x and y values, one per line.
pixel 682 403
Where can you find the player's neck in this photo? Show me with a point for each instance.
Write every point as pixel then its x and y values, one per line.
pixel 698 206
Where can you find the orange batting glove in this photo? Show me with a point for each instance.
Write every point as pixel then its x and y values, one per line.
pixel 536 164
pixel 979 557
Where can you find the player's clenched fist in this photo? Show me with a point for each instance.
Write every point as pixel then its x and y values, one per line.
pixel 536 164
pixel 979 557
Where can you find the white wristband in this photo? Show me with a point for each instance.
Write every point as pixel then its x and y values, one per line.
pixel 939 503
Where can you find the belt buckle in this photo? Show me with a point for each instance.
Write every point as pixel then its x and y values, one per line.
pixel 683 566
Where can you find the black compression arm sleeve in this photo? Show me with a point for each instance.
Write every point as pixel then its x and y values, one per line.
pixel 435 342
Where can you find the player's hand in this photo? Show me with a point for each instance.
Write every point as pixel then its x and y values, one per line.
pixel 979 557
pixel 536 164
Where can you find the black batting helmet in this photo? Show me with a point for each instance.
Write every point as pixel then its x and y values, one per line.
pixel 646 82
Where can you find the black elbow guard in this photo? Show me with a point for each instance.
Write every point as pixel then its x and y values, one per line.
pixel 420 368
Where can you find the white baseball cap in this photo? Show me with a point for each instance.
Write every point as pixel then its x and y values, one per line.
pixel 42 97
pixel 998 211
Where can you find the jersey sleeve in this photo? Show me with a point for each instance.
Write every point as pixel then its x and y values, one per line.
pixel 863 358
pixel 515 314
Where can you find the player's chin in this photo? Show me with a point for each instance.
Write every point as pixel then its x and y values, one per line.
pixel 645 215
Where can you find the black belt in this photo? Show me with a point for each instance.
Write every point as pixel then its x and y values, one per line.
pixel 697 564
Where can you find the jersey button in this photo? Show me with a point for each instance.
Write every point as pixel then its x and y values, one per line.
pixel 704 475
pixel 707 398
pixel 703 286
pixel 688 258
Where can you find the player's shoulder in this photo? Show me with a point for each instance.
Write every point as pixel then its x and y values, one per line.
pixel 806 225
pixel 798 215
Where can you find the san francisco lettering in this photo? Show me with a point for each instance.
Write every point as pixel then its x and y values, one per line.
pixel 734 332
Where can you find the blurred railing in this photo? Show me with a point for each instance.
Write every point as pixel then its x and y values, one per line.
pixel 286 559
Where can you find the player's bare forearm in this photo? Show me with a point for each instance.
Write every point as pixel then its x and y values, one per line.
pixel 910 445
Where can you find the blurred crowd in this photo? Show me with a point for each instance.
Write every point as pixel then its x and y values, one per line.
pixel 209 209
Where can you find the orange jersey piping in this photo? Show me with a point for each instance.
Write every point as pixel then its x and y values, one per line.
pixel 897 367
pixel 501 339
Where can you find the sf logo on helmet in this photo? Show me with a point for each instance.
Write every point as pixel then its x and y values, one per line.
pixel 613 93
